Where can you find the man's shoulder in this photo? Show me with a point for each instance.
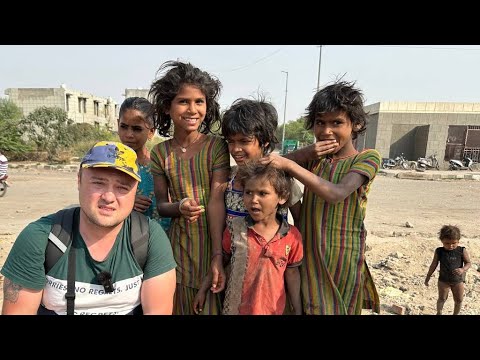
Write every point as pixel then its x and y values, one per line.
pixel 43 223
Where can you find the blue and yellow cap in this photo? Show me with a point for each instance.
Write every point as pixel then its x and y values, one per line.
pixel 113 155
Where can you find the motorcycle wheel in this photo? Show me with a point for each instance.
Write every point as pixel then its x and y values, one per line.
pixel 404 165
pixel 3 189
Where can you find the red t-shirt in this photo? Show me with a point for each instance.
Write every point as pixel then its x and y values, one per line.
pixel 263 287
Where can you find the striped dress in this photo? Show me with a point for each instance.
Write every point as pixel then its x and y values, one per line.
pixel 335 275
pixel 191 242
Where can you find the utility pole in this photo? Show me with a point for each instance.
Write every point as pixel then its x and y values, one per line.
pixel 318 78
pixel 284 111
pixel 319 65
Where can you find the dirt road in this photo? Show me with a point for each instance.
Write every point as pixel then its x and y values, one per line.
pixel 398 256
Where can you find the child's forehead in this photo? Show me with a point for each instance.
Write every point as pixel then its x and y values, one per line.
pixel 258 181
pixel 447 240
pixel 241 136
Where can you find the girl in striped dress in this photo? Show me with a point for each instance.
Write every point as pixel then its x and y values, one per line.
pixel 337 178
pixel 187 167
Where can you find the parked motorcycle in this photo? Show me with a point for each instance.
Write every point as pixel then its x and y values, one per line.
pixel 466 164
pixel 400 160
pixel 3 186
pixel 430 162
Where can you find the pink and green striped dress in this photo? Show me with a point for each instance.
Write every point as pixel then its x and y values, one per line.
pixel 335 275
pixel 191 242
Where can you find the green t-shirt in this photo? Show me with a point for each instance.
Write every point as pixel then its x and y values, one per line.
pixel 25 266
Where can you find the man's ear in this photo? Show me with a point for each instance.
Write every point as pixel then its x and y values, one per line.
pixel 282 201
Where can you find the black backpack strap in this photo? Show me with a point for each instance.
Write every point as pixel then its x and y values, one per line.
pixel 70 295
pixel 60 236
pixel 139 235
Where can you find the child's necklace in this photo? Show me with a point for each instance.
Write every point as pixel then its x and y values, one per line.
pixel 184 148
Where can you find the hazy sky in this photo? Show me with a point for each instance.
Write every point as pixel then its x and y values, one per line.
pixel 384 72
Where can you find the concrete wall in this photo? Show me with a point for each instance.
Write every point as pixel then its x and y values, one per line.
pixel 403 126
pixel 28 99
pixel 137 92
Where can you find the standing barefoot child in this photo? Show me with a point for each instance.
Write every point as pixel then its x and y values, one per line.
pixel 135 128
pixel 249 127
pixel 188 166
pixel 335 275
pixel 454 263
pixel 265 250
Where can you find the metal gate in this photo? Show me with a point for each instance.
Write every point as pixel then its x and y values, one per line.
pixel 472 143
pixel 455 142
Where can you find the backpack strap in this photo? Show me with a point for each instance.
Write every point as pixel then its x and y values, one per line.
pixel 139 235
pixel 60 236
pixel 70 294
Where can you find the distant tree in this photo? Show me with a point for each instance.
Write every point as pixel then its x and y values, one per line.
pixel 48 128
pixel 9 110
pixel 295 130
pixel 10 135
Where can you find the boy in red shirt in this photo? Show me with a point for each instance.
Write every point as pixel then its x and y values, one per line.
pixel 264 250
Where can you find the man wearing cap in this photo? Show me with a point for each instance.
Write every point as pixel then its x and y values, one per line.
pixel 107 183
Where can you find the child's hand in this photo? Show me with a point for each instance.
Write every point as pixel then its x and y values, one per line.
pixel 458 271
pixel 199 301
pixel 320 148
pixel 218 274
pixel 275 160
pixel 426 281
pixel 191 210
pixel 142 203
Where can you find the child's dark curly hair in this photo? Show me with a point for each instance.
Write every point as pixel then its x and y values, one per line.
pixel 340 96
pixel 252 118
pixel 165 88
pixel 449 232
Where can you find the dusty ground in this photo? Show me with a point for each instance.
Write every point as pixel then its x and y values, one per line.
pixel 398 256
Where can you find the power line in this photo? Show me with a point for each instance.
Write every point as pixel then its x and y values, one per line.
pixel 422 47
pixel 256 61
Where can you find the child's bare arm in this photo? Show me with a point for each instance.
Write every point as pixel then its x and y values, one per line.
pixel 216 223
pixel 292 280
pixel 432 268
pixel 466 263
pixel 330 192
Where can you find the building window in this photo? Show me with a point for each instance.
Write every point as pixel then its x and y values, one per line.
pixel 106 112
pixel 95 108
pixel 67 102
pixel 82 105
